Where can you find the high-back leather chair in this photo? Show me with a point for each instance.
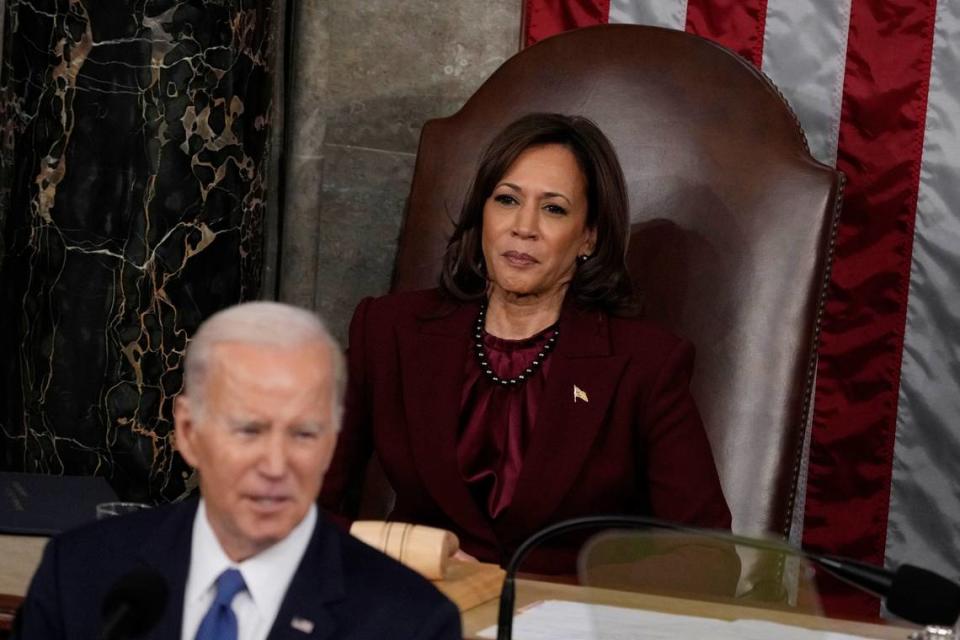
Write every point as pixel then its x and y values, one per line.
pixel 733 225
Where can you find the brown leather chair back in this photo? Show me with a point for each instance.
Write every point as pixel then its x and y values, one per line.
pixel 733 224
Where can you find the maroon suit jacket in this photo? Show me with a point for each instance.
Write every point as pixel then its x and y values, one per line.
pixel 638 445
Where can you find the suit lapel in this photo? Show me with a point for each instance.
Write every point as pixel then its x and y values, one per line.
pixel 318 580
pixel 167 551
pixel 580 387
pixel 432 375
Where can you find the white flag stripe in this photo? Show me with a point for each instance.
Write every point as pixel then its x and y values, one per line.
pixel 805 53
pixel 923 527
pixel 671 14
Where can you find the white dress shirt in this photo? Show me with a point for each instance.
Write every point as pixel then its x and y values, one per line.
pixel 267 576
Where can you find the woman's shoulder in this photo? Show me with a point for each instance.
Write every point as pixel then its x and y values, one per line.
pixel 381 319
pixel 403 302
pixel 639 335
pixel 403 307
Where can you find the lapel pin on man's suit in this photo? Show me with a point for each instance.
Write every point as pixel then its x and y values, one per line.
pixel 302 624
pixel 579 394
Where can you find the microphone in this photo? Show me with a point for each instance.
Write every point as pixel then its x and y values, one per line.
pixel 870 578
pixel 914 594
pixel 920 594
pixel 133 605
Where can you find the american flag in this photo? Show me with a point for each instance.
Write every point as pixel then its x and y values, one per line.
pixel 876 84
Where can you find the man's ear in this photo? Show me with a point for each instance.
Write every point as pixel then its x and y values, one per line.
pixel 185 428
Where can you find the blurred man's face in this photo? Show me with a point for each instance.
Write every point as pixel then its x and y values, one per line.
pixel 262 441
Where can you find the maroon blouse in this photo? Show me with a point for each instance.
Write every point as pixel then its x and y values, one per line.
pixel 496 420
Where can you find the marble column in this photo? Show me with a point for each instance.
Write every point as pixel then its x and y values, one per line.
pixel 305 132
pixel 136 143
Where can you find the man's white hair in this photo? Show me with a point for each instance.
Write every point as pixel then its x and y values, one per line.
pixel 273 324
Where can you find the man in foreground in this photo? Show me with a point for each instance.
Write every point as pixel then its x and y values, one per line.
pixel 252 559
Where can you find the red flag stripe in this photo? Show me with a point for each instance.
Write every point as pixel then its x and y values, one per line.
pixel 544 18
pixel 880 149
pixel 736 24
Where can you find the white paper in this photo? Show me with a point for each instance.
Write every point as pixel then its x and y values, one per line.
pixel 552 619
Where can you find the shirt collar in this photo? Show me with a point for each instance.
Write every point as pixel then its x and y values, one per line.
pixel 263 573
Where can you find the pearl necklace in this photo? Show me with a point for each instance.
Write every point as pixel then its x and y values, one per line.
pixel 484 361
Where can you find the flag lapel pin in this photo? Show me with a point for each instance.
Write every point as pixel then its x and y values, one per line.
pixel 302 624
pixel 579 394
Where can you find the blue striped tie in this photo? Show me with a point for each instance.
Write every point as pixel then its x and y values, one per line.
pixel 220 623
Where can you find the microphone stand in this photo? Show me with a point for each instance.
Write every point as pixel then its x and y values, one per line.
pixel 508 591
pixel 875 580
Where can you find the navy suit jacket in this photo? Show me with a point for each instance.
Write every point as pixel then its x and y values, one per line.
pixel 347 589
pixel 637 446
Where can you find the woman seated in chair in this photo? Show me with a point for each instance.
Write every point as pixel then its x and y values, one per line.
pixel 523 390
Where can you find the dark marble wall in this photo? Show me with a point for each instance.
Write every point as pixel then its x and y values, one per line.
pixel 138 153
pixel 135 146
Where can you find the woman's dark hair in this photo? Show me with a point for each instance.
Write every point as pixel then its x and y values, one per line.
pixel 602 282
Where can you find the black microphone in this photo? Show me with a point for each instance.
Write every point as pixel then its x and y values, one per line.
pixel 868 577
pixel 920 594
pixel 133 605
pixel 914 594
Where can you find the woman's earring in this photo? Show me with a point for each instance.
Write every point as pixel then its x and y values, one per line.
pixel 582 259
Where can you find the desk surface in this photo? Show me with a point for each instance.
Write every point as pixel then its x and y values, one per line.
pixel 21 555
pixel 528 592
pixel 19 559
